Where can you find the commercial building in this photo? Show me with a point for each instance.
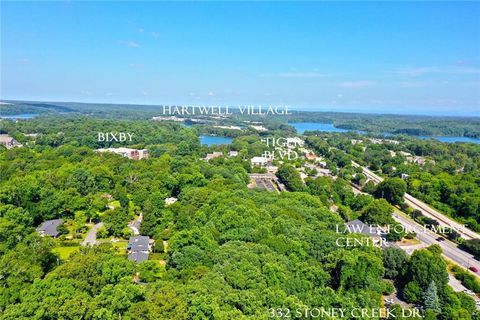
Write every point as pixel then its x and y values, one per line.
pixel 134 154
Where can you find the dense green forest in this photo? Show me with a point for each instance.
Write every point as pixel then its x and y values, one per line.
pixel 224 251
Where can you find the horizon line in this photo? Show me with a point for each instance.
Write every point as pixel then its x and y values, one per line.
pixel 467 114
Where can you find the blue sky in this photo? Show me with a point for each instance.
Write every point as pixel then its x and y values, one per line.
pixel 410 57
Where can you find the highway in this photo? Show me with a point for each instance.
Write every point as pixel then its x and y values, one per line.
pixel 450 250
pixel 427 211
pixel 427 237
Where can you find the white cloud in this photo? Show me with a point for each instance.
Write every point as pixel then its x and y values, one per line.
pixel 211 94
pixel 155 34
pixel 295 74
pixel 131 44
pixel 419 71
pixel 307 74
pixel 24 60
pixel 414 84
pixel 357 84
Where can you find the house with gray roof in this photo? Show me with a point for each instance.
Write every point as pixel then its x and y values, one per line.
pixel 49 228
pixel 138 256
pixel 138 248
pixel 357 226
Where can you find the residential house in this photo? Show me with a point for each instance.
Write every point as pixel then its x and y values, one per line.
pixel 233 154
pixel 49 228
pixel 322 164
pixel 358 226
pixel 214 155
pixel 310 156
pixel 8 142
pixel 138 248
pixel 418 160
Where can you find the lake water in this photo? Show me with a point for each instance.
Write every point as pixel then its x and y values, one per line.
pixel 328 127
pixel 452 139
pixel 214 140
pixel 312 126
pixel 20 116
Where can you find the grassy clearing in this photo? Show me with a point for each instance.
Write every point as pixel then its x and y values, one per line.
pixel 65 252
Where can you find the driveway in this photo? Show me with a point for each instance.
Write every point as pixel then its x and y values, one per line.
pixel 135 225
pixel 91 238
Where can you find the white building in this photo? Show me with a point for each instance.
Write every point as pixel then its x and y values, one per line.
pixel 133 154
pixel 214 155
pixel 170 201
pixel 259 161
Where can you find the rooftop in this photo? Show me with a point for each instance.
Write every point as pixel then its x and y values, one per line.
pixel 5 138
pixel 138 256
pixel 138 243
pixel 357 226
pixel 49 227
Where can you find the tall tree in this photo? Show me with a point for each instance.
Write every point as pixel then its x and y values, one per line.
pixel 430 299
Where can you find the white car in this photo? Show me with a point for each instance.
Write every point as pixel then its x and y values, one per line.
pixel 469 292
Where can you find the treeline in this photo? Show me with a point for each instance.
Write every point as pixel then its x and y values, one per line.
pixel 395 124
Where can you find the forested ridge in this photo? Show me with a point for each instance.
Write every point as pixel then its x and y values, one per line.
pixel 415 125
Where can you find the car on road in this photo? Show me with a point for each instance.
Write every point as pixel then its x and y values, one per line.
pixel 469 292
pixel 440 239
pixel 473 269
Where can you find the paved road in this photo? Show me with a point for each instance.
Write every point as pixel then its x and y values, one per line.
pixel 450 250
pixel 457 286
pixel 442 219
pixel 427 237
pixel 91 238
pixel 426 210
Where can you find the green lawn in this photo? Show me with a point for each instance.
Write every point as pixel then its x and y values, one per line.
pixel 157 256
pixel 65 252
pixel 121 245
